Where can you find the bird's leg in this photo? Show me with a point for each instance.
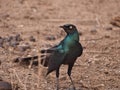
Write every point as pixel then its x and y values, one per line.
pixel 57 79
pixel 57 83
pixel 72 83
pixel 69 74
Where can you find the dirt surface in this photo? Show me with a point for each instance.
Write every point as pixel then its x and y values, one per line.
pixel 37 23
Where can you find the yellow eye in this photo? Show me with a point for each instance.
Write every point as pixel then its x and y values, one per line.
pixel 70 27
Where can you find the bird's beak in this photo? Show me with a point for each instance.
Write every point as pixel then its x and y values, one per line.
pixel 61 26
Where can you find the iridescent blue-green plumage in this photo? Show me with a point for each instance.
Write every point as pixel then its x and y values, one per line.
pixel 66 52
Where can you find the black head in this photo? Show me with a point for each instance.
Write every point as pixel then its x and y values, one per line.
pixel 69 28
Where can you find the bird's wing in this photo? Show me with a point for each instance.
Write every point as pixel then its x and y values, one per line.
pixel 78 48
pixel 52 49
pixel 55 60
pixel 74 52
pixel 54 57
pixel 48 54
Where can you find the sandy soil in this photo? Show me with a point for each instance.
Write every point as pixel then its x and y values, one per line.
pixel 99 66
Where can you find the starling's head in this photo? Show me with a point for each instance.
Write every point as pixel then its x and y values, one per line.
pixel 69 28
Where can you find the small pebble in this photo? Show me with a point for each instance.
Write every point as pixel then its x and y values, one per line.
pixel 24 47
pixel 11 38
pixel 1 42
pixel 118 47
pixel 106 72
pixel 31 38
pixel 107 36
pixel 109 28
pixel 18 37
pixel 50 38
pixel 16 60
pixel 48 45
pixel 80 33
pixel 13 43
pixel 93 31
pixel 5 39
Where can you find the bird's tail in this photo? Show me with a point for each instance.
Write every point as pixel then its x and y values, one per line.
pixel 44 61
pixel 44 58
pixel 46 55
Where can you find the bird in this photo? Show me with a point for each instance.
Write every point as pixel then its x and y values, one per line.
pixel 66 53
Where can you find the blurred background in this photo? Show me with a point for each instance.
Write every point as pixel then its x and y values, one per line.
pixel 26 26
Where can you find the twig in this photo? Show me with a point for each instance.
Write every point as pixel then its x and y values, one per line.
pixel 39 66
pixel 19 79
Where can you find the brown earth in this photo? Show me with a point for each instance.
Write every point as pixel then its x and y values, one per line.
pixel 99 66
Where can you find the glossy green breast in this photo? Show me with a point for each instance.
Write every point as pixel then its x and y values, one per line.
pixel 70 40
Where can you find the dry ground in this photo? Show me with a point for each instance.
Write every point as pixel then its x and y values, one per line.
pixel 99 66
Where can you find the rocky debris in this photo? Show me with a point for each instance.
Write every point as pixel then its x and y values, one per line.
pixel 24 47
pixel 106 72
pixel 48 45
pixel 107 36
pixel 108 28
pixel 5 85
pixel 1 42
pixel 12 41
pixel 116 21
pixel 80 33
pixel 18 37
pixel 50 38
pixel 93 31
pixel 32 39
